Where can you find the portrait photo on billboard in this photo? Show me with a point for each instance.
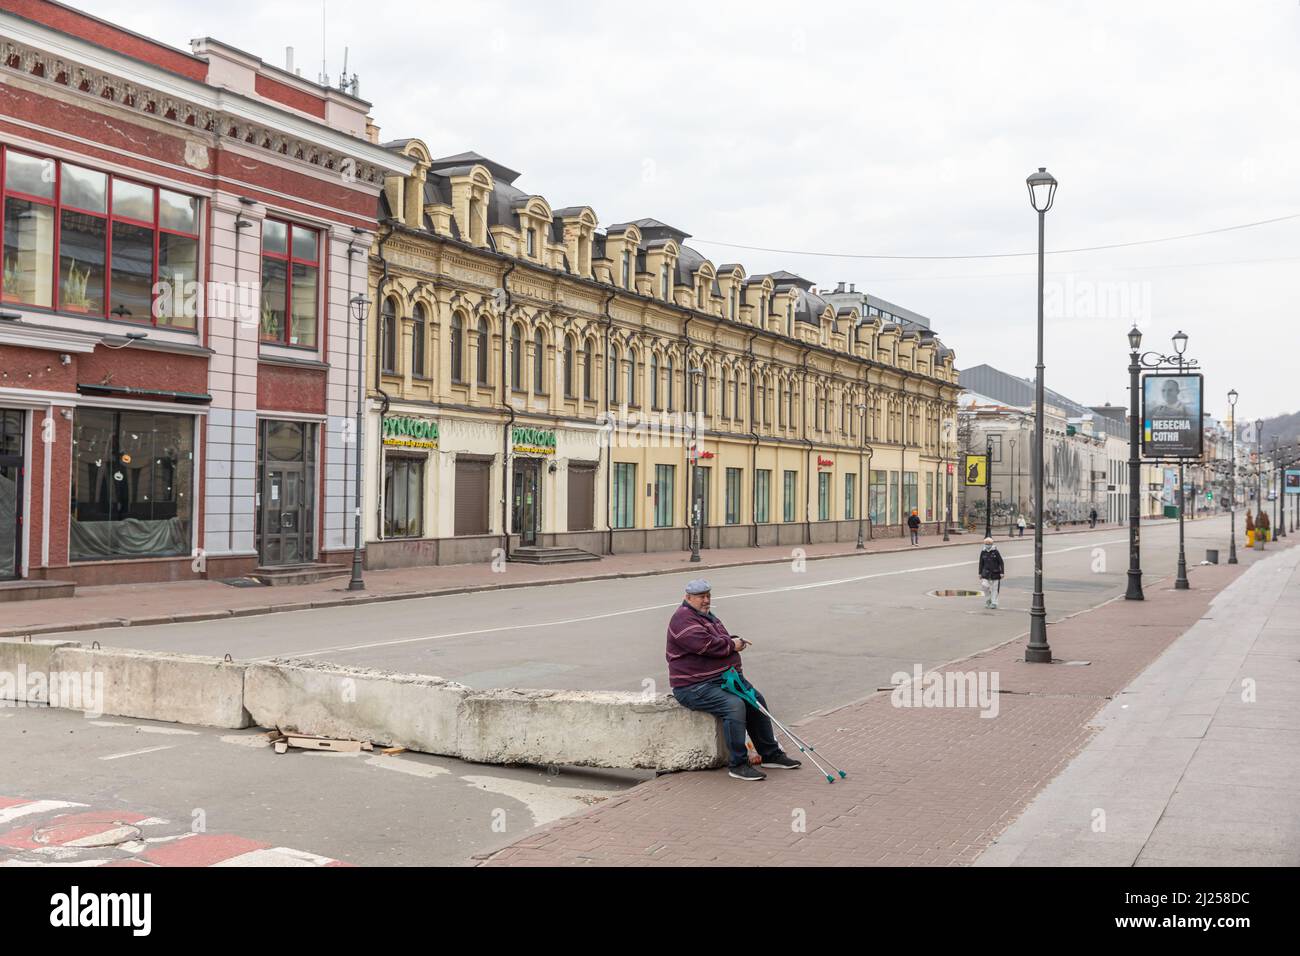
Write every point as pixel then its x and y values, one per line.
pixel 1171 416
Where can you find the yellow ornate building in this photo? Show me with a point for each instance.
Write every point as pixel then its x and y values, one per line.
pixel 531 374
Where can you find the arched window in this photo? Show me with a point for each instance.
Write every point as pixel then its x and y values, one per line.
pixel 458 348
pixel 708 387
pixel 482 351
pixel 588 373
pixel 633 369
pixel 517 356
pixel 611 374
pixel 568 367
pixel 735 396
pixel 671 382
pixel 419 331
pixel 725 391
pixel 654 379
pixel 388 337
pixel 539 363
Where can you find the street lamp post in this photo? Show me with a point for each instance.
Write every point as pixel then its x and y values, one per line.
pixel 1042 191
pixel 988 489
pixel 1015 502
pixel 360 306
pixel 1278 517
pixel 1232 475
pixel 1134 592
pixel 1259 479
pixel 947 478
pixel 1181 583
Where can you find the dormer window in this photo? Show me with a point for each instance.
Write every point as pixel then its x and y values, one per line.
pixel 627 269
pixel 734 295
pixel 789 318
pixel 665 280
pixel 532 243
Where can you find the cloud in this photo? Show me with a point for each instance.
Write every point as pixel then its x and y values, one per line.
pixel 876 128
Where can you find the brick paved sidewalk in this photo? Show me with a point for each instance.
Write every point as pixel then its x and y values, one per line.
pixel 928 786
pixel 146 604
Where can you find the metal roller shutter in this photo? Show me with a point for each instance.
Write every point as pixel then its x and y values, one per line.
pixel 582 497
pixel 473 480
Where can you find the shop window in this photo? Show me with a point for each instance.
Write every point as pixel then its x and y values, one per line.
pixel 132 479
pixel 664 490
pixel 762 495
pixel 733 496
pixel 823 496
pixel 789 496
pixel 290 280
pixel 153 233
pixel 403 497
pixel 624 495
pixel 850 497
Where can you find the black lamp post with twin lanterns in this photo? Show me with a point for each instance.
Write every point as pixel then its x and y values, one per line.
pixel 1137 362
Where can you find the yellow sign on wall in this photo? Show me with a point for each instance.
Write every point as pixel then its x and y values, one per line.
pixel 977 470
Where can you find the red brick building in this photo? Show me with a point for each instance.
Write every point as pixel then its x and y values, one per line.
pixel 182 233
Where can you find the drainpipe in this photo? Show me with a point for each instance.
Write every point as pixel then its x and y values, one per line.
pixel 689 396
pixel 609 446
pixel 508 427
pixel 803 422
pixel 753 453
pixel 383 282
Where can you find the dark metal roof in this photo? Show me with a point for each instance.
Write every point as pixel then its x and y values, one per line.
pixel 1011 390
pixel 654 229
pixel 465 160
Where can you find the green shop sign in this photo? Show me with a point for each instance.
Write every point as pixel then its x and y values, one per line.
pixel 533 441
pixel 404 432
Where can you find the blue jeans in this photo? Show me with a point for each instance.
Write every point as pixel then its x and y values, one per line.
pixel 737 717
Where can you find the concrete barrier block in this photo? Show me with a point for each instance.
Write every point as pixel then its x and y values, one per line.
pixel 414 711
pixel 181 688
pixel 25 669
pixel 587 729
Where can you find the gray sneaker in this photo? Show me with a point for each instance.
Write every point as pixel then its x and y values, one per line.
pixel 744 771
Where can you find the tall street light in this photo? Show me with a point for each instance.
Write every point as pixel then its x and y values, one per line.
pixel 1134 592
pixel 1259 476
pixel 988 488
pixel 360 306
pixel 1181 583
pixel 1232 475
pixel 947 477
pixel 1042 191
pixel 1279 521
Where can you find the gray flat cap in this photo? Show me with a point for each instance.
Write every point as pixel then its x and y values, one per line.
pixel 698 586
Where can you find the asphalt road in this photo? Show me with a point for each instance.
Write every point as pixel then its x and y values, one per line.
pixel 823 635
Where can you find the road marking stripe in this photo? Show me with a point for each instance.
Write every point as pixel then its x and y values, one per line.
pixel 662 607
pixel 276 856
pixel 136 753
pixel 35 806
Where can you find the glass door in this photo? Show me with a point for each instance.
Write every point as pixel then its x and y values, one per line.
pixel 11 493
pixel 286 513
pixel 527 500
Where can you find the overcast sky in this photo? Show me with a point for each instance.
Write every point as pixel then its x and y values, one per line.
pixel 895 129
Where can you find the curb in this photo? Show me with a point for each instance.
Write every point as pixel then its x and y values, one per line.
pixel 258 610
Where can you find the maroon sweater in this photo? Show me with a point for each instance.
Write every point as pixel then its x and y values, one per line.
pixel 699 647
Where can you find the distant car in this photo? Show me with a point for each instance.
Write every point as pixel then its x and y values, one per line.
pixel 1272 496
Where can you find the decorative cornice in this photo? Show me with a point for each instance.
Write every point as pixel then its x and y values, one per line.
pixel 45 68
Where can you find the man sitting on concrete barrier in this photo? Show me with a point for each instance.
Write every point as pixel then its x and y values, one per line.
pixel 699 652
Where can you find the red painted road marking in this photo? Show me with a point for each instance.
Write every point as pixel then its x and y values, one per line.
pixel 49 833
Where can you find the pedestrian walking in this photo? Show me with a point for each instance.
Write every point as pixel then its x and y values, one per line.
pixel 699 652
pixel 1092 518
pixel 991 570
pixel 914 526
pixel 1020 523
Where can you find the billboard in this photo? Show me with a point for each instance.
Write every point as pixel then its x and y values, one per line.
pixel 1291 485
pixel 1171 415
pixel 977 470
